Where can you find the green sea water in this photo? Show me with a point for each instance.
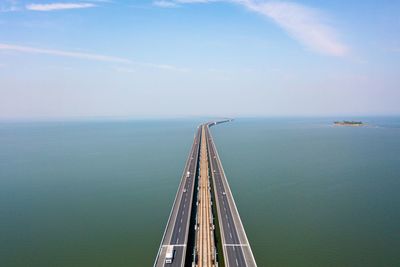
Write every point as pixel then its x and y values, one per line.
pixel 99 193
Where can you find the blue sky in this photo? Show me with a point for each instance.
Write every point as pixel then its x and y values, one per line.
pixel 169 58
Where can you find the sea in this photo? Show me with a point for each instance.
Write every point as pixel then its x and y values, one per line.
pixel 98 193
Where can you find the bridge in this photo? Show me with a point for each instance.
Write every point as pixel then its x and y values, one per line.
pixel 204 228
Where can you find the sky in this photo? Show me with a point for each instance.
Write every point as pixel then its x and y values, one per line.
pixel 180 58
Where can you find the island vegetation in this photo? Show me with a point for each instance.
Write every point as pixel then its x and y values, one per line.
pixel 349 123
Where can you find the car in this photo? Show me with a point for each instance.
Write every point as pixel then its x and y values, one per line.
pixel 224 193
pixel 184 190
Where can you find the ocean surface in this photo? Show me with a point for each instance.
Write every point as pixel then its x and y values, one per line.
pixel 94 194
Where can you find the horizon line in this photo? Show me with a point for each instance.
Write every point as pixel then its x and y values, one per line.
pixel 180 117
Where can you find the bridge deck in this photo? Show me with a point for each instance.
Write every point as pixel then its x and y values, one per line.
pixel 176 231
pixel 236 247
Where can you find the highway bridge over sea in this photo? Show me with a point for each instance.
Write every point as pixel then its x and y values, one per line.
pixel 204 228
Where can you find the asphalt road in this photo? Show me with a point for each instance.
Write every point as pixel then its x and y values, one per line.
pixel 236 248
pixel 176 231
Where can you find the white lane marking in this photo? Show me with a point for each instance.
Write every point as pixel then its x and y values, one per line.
pixel 179 230
pixel 175 245
pixel 230 234
pixel 237 264
pixel 236 245
pixel 229 225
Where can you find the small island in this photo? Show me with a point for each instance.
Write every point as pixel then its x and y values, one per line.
pixel 349 123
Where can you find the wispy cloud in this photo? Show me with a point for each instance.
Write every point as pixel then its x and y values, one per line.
pixel 8 9
pixel 199 1
pixel 101 1
pixel 61 53
pixel 176 3
pixel 58 6
pixel 307 25
pixel 126 67
pixel 165 4
pixel 9 6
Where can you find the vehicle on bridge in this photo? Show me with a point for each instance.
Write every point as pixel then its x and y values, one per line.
pixel 169 256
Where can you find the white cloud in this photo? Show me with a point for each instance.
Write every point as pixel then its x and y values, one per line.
pixel 165 4
pixel 196 1
pixel 8 9
pixel 101 1
pixel 33 50
pixel 58 6
pixel 9 6
pixel 302 23
pixel 176 3
pixel 89 56
pixel 306 25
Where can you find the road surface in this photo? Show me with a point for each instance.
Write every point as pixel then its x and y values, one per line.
pixel 176 231
pixel 236 247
